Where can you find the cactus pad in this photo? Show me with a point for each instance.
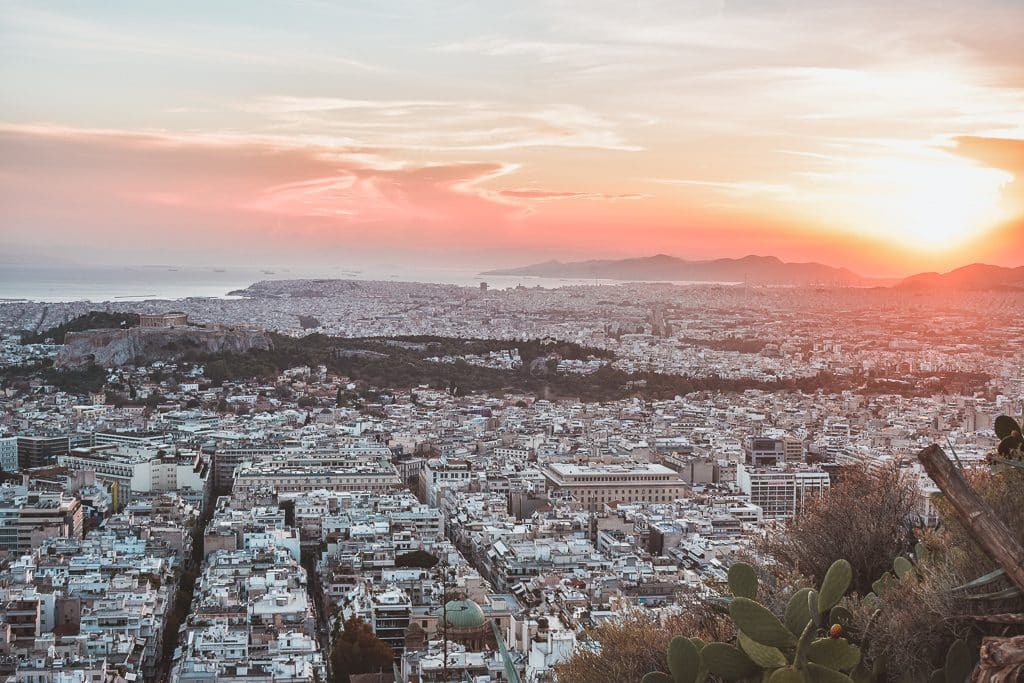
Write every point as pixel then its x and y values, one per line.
pixel 817 673
pixel 834 585
pixel 834 653
pixel 840 615
pixel 1005 426
pixel 797 612
pixel 760 624
pixel 743 580
pixel 787 675
pixel 902 566
pixel 728 662
pixel 765 656
pixel 683 660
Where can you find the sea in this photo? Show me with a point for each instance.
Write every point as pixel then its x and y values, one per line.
pixel 57 283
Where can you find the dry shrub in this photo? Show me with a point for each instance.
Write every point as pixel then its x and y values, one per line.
pixel 865 518
pixel 624 650
pixel 1004 493
pixel 919 618
pixel 909 625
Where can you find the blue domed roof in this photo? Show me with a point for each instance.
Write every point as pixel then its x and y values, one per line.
pixel 463 614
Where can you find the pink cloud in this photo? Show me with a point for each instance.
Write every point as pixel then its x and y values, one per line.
pixel 539 194
pixel 152 189
pixel 99 194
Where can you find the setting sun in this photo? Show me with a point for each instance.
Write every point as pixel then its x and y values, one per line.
pixel 942 206
pixel 925 200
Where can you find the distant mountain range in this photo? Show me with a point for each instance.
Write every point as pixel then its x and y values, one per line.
pixel 752 269
pixel 974 276
pixel 765 270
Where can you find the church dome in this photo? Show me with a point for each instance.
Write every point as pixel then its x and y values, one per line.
pixel 463 614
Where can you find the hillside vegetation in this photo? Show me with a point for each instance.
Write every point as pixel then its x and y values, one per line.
pixel 93 320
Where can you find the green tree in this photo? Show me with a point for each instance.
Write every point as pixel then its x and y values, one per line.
pixel 289 511
pixel 358 650
pixel 93 320
pixel 416 558
pixel 217 371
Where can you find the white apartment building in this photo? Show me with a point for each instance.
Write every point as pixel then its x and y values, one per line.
pixel 283 478
pixel 142 470
pixel 9 454
pixel 781 493
pixel 444 473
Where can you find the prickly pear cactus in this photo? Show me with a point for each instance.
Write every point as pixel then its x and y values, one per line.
pixel 961 659
pixel 1011 439
pixel 805 646
pixel 743 580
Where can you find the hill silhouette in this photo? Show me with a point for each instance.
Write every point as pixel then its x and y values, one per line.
pixel 752 269
pixel 975 276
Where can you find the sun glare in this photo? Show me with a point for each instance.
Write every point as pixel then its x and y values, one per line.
pixel 929 204
pixel 951 206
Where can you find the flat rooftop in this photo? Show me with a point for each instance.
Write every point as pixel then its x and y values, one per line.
pixel 638 468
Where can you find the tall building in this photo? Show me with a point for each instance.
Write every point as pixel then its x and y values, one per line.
pixel 281 477
pixel 659 328
pixel 390 616
pixel 41 451
pixel 781 493
pixel 794 449
pixel 760 451
pixel 9 454
pixel 27 518
pixel 444 473
pixel 134 438
pixel 143 470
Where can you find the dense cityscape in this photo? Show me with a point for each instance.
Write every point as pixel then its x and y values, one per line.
pixel 171 513
pixel 552 341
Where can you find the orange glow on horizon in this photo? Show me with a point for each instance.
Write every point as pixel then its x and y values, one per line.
pixel 884 138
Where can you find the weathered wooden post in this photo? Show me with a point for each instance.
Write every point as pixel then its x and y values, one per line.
pixel 989 531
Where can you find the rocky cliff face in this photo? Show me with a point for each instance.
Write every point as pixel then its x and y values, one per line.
pixel 139 345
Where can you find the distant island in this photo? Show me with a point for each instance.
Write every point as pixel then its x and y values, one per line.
pixel 750 269
pixel 977 276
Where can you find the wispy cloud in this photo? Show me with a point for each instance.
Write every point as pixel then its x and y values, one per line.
pixel 445 126
pixel 539 194
pixel 284 104
pixel 195 42
pixel 739 188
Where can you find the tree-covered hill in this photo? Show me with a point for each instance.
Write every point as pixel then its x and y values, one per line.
pixel 93 320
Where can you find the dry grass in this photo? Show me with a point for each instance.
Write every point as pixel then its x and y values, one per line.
pixel 636 644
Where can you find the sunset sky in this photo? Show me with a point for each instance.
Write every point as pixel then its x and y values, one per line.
pixel 883 136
